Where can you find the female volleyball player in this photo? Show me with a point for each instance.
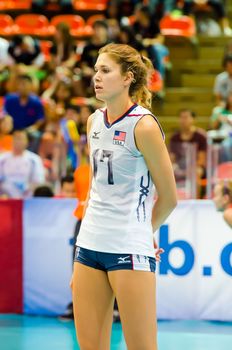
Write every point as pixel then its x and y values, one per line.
pixel 115 254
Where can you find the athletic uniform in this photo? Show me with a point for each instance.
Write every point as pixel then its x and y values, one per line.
pixel 116 232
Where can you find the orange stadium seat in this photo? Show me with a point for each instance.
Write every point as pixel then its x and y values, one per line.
pixel 15 4
pixel 6 25
pixel 33 24
pixel 90 5
pixel 75 22
pixel 178 26
pixel 224 171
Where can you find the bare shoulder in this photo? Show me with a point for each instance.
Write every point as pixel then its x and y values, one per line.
pixel 148 130
pixel 146 123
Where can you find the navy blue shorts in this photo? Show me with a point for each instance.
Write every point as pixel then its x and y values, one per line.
pixel 112 262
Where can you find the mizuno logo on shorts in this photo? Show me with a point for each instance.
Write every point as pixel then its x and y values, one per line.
pixel 123 259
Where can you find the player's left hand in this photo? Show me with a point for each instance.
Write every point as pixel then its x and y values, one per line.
pixel 158 251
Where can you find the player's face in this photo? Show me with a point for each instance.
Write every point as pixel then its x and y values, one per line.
pixel 109 82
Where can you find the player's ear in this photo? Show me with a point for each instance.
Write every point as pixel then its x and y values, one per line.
pixel 128 78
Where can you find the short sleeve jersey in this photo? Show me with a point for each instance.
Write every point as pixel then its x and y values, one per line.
pixel 118 215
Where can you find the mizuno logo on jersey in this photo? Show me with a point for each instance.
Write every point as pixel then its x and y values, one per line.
pixel 122 259
pixel 119 138
pixel 95 135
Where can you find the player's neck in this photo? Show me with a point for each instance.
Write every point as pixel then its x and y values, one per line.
pixel 117 108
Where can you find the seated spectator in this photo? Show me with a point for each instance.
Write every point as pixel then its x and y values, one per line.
pixel 10 85
pixel 20 170
pixel 67 189
pixel 43 191
pixel 127 36
pixel 63 50
pixel 221 118
pixel 24 107
pixel 188 134
pixel 26 50
pixel 6 139
pixel 191 6
pixel 146 27
pixel 223 199
pixel 223 81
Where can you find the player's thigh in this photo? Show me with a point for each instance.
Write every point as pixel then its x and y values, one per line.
pixel 93 307
pixel 135 292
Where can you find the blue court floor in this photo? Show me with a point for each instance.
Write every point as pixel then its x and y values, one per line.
pixel 44 333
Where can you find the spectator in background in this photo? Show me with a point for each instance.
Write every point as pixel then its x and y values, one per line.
pixel 43 191
pixel 190 6
pixel 90 53
pixel 223 199
pixel 67 189
pixel 127 36
pixel 63 50
pixel 221 118
pixel 25 108
pixel 26 50
pixel 6 139
pixel 146 27
pixel 20 170
pixel 57 97
pixel 188 134
pixel 223 81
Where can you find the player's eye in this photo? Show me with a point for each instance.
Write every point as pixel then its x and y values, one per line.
pixel 105 70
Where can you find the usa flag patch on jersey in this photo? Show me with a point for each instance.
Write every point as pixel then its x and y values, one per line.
pixel 119 138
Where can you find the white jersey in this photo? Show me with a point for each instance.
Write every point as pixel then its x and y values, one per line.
pixel 19 173
pixel 118 216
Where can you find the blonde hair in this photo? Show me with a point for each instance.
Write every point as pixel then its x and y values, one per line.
pixel 131 61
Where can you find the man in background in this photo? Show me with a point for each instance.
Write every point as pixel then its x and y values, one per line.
pixel 223 199
pixel 20 170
